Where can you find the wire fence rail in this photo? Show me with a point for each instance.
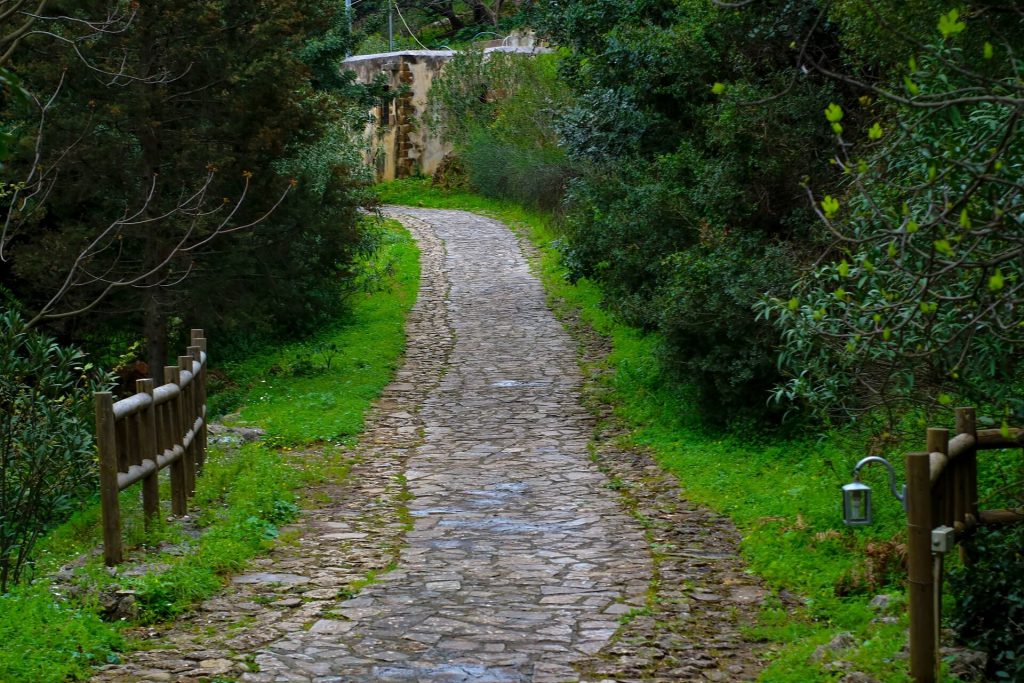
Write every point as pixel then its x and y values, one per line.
pixel 156 428
pixel 942 509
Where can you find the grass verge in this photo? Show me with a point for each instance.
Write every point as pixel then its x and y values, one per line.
pixel 782 492
pixel 315 391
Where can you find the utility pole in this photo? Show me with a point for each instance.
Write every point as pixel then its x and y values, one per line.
pixel 348 15
pixel 391 25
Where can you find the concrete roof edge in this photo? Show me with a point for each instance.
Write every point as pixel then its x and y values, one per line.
pixel 444 53
pixel 399 53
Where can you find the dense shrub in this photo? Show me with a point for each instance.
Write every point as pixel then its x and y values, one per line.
pixel 47 460
pixel 688 204
pixel 920 298
pixel 499 112
pixel 989 595
pixel 710 337
pixel 532 175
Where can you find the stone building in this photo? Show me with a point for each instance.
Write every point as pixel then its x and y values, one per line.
pixel 399 143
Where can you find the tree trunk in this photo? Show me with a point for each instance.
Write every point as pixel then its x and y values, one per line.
pixel 154 328
pixel 480 13
pixel 448 13
pixel 154 324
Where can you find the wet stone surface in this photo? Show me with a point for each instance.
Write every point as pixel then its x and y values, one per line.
pixel 522 563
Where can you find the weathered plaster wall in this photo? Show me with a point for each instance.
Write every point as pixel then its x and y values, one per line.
pixel 399 144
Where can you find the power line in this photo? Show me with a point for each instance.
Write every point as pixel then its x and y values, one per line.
pixel 407 29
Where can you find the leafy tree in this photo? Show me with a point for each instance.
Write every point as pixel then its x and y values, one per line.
pixel 921 294
pixel 205 103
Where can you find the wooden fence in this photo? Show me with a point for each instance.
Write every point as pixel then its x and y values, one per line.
pixel 942 506
pixel 140 435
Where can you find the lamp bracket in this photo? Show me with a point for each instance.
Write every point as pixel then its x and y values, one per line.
pixel 901 494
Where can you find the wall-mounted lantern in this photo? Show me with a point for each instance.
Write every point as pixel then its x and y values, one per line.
pixel 857 495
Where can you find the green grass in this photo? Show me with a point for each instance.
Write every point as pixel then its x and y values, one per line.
pixel 292 393
pixel 782 492
pixel 243 495
pixel 48 640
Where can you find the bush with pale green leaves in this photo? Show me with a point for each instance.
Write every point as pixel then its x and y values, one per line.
pixel 920 299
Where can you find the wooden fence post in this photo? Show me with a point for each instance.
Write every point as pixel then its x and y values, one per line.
pixel 106 443
pixel 187 406
pixel 199 340
pixel 923 659
pixel 967 493
pixel 197 406
pixel 942 492
pixel 148 451
pixel 179 485
pixel 937 440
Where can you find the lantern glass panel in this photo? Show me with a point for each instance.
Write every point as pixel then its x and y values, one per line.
pixel 857 504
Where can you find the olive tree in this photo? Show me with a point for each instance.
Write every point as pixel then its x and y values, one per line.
pixel 47 458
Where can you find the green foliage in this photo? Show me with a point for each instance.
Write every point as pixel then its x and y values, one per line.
pixel 710 339
pixel 221 112
pixel 47 459
pixel 989 611
pixel 47 639
pixel 499 111
pixel 684 189
pixel 922 297
pixel 244 497
pixel 533 175
pixel 435 24
pixel 318 389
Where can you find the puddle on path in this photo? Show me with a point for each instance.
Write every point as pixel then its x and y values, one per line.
pixel 509 383
pixel 449 673
pixel 507 525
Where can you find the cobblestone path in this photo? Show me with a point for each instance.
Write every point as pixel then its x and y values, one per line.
pixel 520 560
pixel 518 539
